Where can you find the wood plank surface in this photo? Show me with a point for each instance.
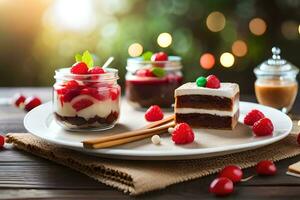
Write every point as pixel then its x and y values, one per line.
pixel 23 176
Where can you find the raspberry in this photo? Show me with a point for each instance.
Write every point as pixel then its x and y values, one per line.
pixel 96 70
pixel 71 84
pixel 144 73
pixel 154 113
pixel 160 56
pixel 79 68
pixel 93 92
pixel 114 93
pixel 31 103
pixel 266 167
pixel 298 139
pixel 82 104
pixel 263 127
pixel 2 141
pixel 252 117
pixel 212 82
pixel 183 134
pixel 70 94
pixel 18 99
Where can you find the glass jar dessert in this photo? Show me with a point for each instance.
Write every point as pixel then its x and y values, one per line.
pixel 276 83
pixel 86 99
pixel 152 79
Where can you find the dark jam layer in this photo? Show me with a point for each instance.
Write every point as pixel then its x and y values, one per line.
pixel 80 121
pixel 198 120
pixel 155 91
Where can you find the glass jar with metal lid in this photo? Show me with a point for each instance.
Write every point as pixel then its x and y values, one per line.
pixel 276 83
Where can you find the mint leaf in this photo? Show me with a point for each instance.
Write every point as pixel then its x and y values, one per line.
pixel 78 57
pixel 87 58
pixel 158 72
pixel 147 55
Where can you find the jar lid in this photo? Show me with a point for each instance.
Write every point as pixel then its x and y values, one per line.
pixel 276 66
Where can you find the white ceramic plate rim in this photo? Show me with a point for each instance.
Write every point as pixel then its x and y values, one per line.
pixel 45 110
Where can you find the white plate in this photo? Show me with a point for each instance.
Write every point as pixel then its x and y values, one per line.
pixel 208 142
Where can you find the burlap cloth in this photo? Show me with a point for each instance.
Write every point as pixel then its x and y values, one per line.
pixel 136 177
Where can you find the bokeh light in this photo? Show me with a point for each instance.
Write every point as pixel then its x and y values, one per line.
pixel 289 30
pixel 164 40
pixel 299 28
pixel 135 49
pixel 215 21
pixel 257 26
pixel 227 59
pixel 239 48
pixel 207 61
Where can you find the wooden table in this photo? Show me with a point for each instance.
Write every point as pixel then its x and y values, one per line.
pixel 23 176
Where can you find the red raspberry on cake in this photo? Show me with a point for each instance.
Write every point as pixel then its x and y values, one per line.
pixel 263 127
pixel 253 116
pixel 79 68
pixel 212 82
pixel 154 113
pixel 183 134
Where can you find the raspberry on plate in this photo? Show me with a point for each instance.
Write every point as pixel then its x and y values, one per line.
pixel 154 113
pixel 212 82
pixel 263 127
pixel 253 116
pixel 183 134
pixel 79 68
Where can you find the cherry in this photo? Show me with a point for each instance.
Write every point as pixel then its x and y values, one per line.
pixel 160 56
pixel 18 99
pixel 233 172
pixel 32 102
pixel 79 68
pixel 221 186
pixel 212 82
pixel 2 141
pixel 266 167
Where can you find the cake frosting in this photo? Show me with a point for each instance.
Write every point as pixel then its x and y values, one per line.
pixel 226 90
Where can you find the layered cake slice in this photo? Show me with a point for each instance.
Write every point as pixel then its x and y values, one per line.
pixel 210 107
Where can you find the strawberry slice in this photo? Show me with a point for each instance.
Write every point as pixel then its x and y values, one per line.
pixel 82 104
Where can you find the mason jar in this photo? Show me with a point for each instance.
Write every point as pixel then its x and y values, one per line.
pixel 147 90
pixel 276 83
pixel 86 102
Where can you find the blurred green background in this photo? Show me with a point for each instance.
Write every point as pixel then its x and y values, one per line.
pixel 39 36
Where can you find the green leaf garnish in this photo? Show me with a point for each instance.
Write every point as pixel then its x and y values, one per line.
pixel 158 71
pixel 87 58
pixel 78 57
pixel 147 55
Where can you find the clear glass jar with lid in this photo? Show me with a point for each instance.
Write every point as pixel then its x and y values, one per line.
pixel 152 82
pixel 276 83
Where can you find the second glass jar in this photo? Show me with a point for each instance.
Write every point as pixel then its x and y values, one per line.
pixel 144 90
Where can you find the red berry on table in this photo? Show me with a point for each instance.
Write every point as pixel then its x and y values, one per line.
pixel 144 73
pixel 96 70
pixel 2 141
pixel 18 99
pixel 183 134
pixel 263 127
pixel 160 56
pixel 81 104
pixel 266 167
pixel 233 172
pixel 253 116
pixel 31 103
pixel 298 139
pixel 154 113
pixel 71 84
pixel 212 82
pixel 221 186
pixel 79 68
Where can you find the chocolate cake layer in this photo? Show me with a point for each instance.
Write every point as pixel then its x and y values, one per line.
pixel 79 121
pixel 198 120
pixel 205 102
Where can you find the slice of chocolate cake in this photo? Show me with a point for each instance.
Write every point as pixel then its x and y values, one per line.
pixel 207 107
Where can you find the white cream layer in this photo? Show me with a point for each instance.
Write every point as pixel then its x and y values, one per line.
pixel 99 108
pixel 226 90
pixel 207 111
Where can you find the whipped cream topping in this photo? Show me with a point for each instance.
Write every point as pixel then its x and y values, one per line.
pixel 99 108
pixel 226 90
